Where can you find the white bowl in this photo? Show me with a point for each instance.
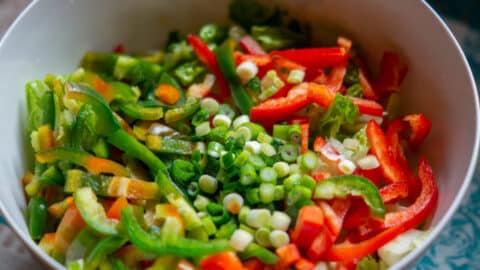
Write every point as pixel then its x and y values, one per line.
pixel 51 36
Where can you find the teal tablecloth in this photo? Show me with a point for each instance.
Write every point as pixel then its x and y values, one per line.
pixel 457 247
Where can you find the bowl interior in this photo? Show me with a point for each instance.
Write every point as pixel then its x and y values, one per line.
pixel 51 37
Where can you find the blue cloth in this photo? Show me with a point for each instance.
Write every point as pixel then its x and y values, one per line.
pixel 2 221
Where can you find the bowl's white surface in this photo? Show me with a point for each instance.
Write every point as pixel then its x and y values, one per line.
pixel 50 36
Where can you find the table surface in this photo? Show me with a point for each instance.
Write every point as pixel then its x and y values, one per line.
pixel 456 248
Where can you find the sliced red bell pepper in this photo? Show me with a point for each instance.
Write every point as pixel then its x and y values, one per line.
pixel 319 176
pixel 273 110
pixel 320 95
pixel 304 264
pixel 259 60
pixel 310 223
pixel 365 79
pixel 221 261
pixel 324 240
pixel 335 78
pixel 253 264
pixel 315 57
pixel 423 205
pixel 366 106
pixel 358 214
pixel 379 146
pixel 207 57
pixel 394 191
pixel 392 73
pixel 283 66
pixel 288 255
pixel 395 132
pixel 374 175
pixel 251 46
pixel 420 127
pixel 304 126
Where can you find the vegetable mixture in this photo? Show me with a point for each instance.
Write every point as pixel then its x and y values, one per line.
pixel 239 147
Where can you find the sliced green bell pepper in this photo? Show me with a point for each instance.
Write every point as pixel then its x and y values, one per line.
pixel 227 65
pixel 190 106
pixel 162 145
pixel 93 212
pixel 105 247
pixel 143 110
pixel 256 251
pixel 178 246
pixel 81 245
pixel 37 217
pixel 345 185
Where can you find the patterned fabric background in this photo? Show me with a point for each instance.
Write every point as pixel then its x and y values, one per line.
pixel 456 248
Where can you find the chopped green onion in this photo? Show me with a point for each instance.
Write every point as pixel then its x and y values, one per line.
pixel 252 196
pixel 281 168
pixel 279 193
pixel 288 152
pixel 262 237
pixel 226 110
pixel 200 203
pixel 247 229
pixel 258 218
pixel 257 162
pixel 309 161
pixel 208 184
pixel 368 162
pixel 200 117
pixel 193 189
pixel 210 105
pixel 267 193
pixel 208 225
pixel 308 181
pixel 280 221
pixel 295 133
pixel 268 175
pixel 267 149
pixel 292 181
pixel 233 202
pixel 182 170
pixel 264 138
pixel 228 160
pixel 252 146
pixel 244 132
pixel 226 230
pixel 240 240
pixel 214 149
pixel 294 168
pixel 298 193
pixel 222 120
pixel 248 175
pixel 242 158
pixel 279 238
pixel 296 76
pixel 215 209
pixel 240 120
pixel 202 129
pixel 242 215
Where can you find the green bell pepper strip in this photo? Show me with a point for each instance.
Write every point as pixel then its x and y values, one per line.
pixel 83 131
pixel 227 65
pixel 186 211
pixel 109 126
pixel 105 247
pixel 345 185
pixel 259 252
pixel 163 145
pixel 143 110
pixel 81 245
pixel 89 162
pixel 190 106
pixel 123 67
pixel 40 104
pixel 52 176
pixel 117 264
pixel 93 212
pixel 159 246
pixel 37 217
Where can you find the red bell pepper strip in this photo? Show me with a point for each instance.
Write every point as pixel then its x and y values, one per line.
pixel 324 241
pixel 304 127
pixel 369 107
pixel 319 176
pixel 396 130
pixel 207 57
pixel 392 73
pixel 320 95
pixel 379 146
pixel 259 60
pixel 288 255
pixel 351 265
pixel 277 109
pixel 374 175
pixel 251 46
pixel 315 57
pixel 358 214
pixel 283 66
pixel 304 264
pixel 335 78
pixel 394 191
pixel 365 79
pixel 221 261
pixel 310 223
pixel 253 264
pixel 420 127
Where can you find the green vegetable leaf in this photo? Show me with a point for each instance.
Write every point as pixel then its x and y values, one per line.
pixel 341 111
pixel 355 90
